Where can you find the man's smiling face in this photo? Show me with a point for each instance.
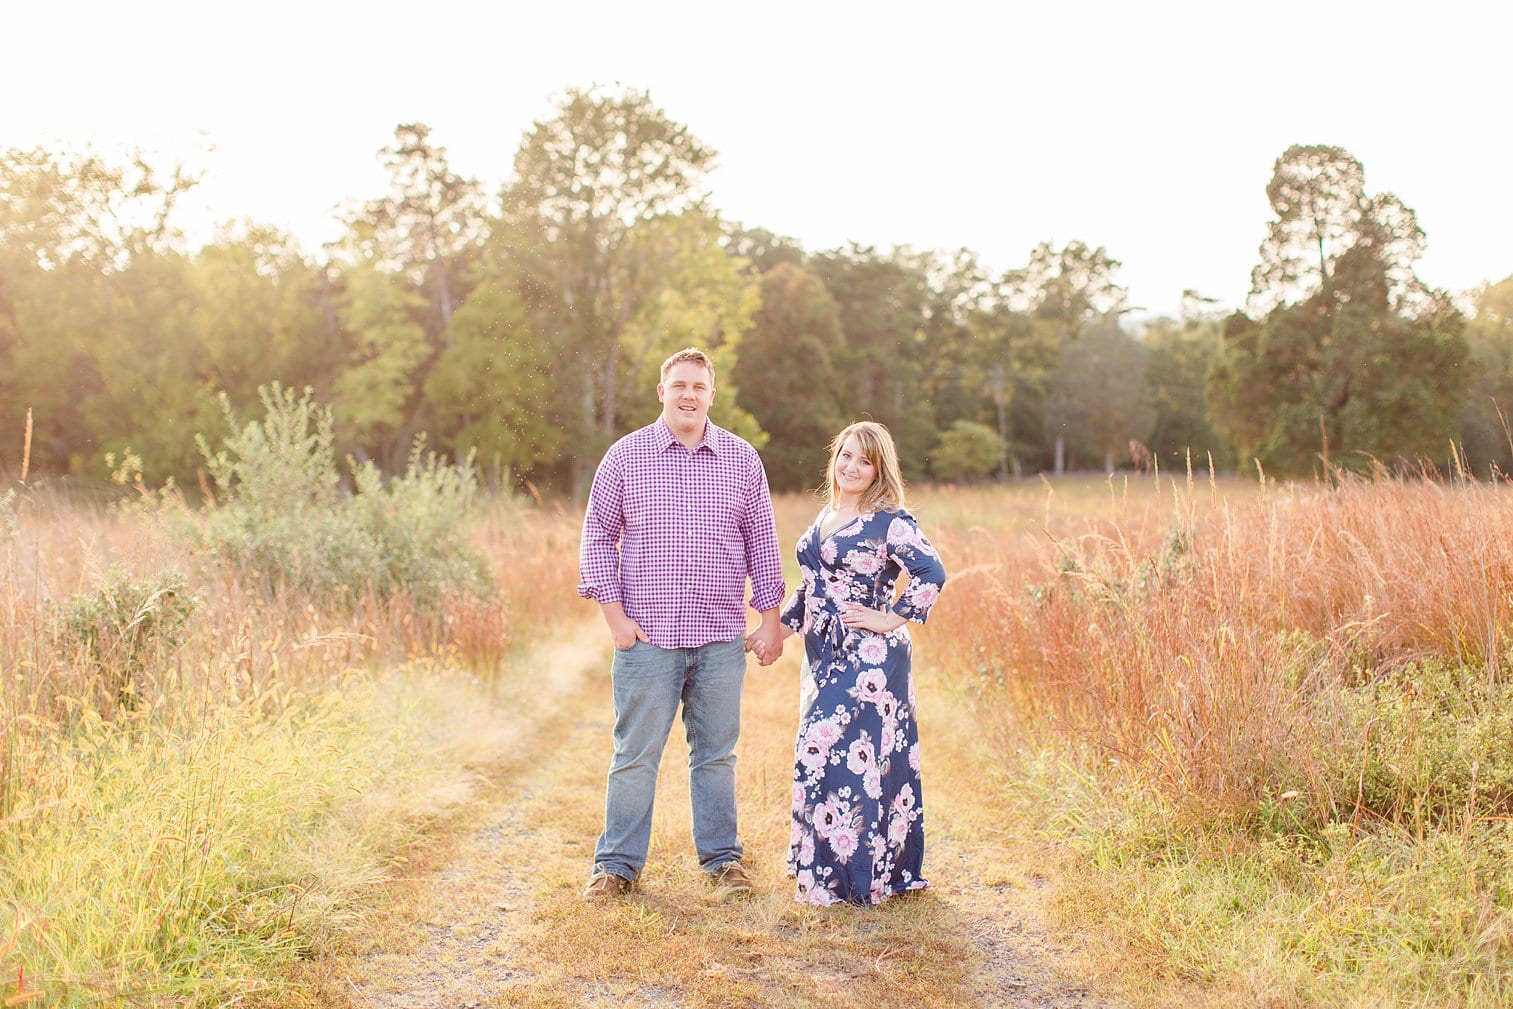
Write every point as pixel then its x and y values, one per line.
pixel 686 394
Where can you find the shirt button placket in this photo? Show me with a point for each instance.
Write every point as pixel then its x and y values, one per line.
pixel 690 520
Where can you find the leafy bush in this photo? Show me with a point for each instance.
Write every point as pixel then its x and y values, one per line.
pixel 282 512
pixel 967 451
pixel 118 628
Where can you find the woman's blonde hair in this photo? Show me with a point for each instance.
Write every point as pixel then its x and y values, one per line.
pixel 875 444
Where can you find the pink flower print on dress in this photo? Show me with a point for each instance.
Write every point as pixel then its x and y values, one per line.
pixel 877 846
pixel 860 757
pixel 887 706
pixel 814 749
pixel 877 890
pixel 898 829
pixel 905 801
pixel 871 685
pixel 806 849
pixel 827 819
pixel 806 883
pixel 844 843
pixel 827 552
pixel 888 739
pixel 900 532
pixel 923 594
pixel 873 650
pixel 864 562
pixel 872 783
pixel 914 759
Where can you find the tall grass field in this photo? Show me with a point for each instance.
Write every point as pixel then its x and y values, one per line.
pixel 1261 734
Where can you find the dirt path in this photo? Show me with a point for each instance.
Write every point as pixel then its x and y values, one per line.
pixel 490 916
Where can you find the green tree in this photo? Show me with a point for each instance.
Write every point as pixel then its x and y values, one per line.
pixel 378 382
pixel 882 298
pixel 257 314
pixel 430 225
pixel 585 179
pixel 1341 373
pixel 705 296
pixel 1063 291
pixel 1486 420
pixel 1318 194
pixel 1181 354
pixel 788 367
pixel 761 249
pixel 1358 359
pixel 91 295
pixel 486 388
pixel 1100 400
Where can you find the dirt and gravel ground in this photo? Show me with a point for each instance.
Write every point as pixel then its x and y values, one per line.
pixel 488 913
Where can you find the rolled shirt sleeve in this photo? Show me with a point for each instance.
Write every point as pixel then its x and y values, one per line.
pixel 603 524
pixel 763 563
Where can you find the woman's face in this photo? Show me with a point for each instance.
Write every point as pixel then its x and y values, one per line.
pixel 854 472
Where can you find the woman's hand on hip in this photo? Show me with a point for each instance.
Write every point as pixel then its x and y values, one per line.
pixel 860 618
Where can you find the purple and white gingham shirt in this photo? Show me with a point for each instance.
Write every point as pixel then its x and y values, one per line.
pixel 690 526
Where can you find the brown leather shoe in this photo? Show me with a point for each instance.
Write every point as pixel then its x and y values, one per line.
pixel 606 886
pixel 730 880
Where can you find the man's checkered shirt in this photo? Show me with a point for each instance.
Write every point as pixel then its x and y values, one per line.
pixel 673 534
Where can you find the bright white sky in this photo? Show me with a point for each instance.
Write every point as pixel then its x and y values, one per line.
pixel 1149 128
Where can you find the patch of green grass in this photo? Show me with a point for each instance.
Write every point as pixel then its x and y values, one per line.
pixel 1371 916
pixel 159 854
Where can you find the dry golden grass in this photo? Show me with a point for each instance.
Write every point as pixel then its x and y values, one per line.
pixel 1269 732
pixel 187 836
pixel 1212 730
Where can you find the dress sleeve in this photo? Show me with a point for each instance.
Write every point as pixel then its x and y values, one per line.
pixel 793 609
pixel 916 555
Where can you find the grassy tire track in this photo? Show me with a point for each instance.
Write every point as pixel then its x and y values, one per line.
pixel 493 916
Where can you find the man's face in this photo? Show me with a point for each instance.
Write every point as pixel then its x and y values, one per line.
pixel 685 395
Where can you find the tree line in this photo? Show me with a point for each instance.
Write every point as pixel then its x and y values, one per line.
pixel 527 325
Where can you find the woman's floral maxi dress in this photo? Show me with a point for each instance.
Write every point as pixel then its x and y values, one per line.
pixel 858 823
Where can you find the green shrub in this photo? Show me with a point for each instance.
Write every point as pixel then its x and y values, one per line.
pixel 968 451
pixel 117 629
pixel 282 512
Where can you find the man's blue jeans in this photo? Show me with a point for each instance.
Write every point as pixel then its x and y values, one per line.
pixel 649 684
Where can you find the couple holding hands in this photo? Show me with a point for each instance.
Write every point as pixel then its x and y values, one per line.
pixel 679 517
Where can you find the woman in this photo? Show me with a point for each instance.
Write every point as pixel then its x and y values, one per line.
pixel 858 824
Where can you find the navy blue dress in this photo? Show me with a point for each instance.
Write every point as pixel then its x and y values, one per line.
pixel 858 821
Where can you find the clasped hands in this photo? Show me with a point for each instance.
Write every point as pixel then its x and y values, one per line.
pixel 767 642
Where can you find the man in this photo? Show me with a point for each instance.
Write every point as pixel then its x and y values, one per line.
pixel 678 518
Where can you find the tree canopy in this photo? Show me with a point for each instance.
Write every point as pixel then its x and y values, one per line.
pixel 529 330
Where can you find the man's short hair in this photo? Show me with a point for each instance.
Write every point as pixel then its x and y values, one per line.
pixel 688 355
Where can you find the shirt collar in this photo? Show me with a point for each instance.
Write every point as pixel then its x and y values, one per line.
pixel 714 436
